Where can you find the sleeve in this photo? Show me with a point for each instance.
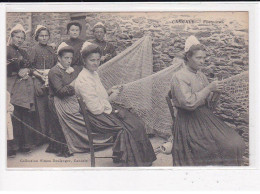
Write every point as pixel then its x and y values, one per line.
pixel 57 85
pixel 112 51
pixel 10 107
pixel 25 62
pixel 186 98
pixel 12 61
pixel 86 89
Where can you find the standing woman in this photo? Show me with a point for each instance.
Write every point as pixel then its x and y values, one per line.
pixel 42 58
pixel 20 87
pixel 199 137
pixel 74 29
pixel 107 49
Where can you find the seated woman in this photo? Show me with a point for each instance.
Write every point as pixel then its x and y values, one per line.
pixel 132 145
pixel 65 108
pixel 60 76
pixel 199 137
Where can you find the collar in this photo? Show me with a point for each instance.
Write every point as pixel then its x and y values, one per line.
pixel 60 66
pixel 192 70
pixel 90 73
pixel 14 46
pixel 43 45
pixel 68 70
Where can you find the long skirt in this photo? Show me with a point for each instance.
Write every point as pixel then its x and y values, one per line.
pixel 23 135
pixel 58 145
pixel 200 139
pixel 73 125
pixel 42 110
pixel 132 146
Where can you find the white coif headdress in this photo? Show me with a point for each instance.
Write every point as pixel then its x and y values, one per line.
pixel 16 27
pixel 38 28
pixel 192 40
pixel 85 46
pixel 62 46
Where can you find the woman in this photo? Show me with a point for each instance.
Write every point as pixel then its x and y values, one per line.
pixel 200 138
pixel 60 76
pixel 20 87
pixel 107 49
pixel 42 58
pixel 74 29
pixel 66 106
pixel 132 146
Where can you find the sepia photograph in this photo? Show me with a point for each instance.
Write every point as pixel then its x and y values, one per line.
pixel 127 89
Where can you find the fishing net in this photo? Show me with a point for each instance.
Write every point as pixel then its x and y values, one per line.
pixel 144 93
pixel 237 87
pixel 132 64
pixel 146 98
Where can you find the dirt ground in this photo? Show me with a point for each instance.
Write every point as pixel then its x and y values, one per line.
pixel 39 158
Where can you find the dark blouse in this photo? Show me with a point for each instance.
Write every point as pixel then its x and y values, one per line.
pixel 42 57
pixel 13 61
pixel 106 48
pixel 21 90
pixel 59 81
pixel 76 44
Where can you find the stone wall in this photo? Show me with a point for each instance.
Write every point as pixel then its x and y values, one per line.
pixel 225 36
pixel 56 22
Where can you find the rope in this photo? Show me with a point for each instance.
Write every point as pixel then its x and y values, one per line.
pixel 37 131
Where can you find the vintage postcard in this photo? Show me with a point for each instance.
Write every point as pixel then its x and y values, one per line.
pixel 127 89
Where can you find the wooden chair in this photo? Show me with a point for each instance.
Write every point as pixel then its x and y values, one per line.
pixel 171 106
pixel 91 134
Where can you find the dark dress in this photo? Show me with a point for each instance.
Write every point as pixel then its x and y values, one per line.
pixel 106 48
pixel 59 86
pixel 76 44
pixel 199 137
pixel 42 57
pixel 22 97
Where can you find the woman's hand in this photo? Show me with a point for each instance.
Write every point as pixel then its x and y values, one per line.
pixel 23 73
pixel 103 58
pixel 114 89
pixel 216 86
pixel 113 95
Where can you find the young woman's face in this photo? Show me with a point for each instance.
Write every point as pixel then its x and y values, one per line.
pixel 18 39
pixel 66 59
pixel 99 34
pixel 197 59
pixel 74 31
pixel 43 37
pixel 92 62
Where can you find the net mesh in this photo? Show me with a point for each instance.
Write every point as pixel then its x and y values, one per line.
pixel 237 87
pixel 132 64
pixel 145 92
pixel 146 97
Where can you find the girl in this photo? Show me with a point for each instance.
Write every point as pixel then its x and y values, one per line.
pixel 42 58
pixel 20 87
